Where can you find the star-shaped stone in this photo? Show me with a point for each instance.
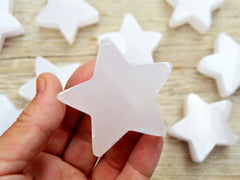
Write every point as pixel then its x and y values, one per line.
pixel 28 90
pixel 223 65
pixel 120 97
pixel 8 113
pixel 9 25
pixel 68 16
pixel 136 45
pixel 197 13
pixel 204 126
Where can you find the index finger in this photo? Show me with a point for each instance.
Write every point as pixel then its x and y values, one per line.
pixel 143 159
pixel 57 143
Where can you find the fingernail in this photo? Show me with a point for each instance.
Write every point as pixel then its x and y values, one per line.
pixel 40 85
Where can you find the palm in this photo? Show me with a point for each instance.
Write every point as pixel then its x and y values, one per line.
pixel 48 166
pixel 68 154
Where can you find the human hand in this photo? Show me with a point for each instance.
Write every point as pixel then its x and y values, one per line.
pixel 51 141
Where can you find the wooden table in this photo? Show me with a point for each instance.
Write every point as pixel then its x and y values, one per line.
pixel 182 47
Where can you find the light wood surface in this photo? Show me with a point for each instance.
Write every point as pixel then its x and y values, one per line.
pixel 182 47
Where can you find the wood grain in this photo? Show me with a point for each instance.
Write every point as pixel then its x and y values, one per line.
pixel 182 47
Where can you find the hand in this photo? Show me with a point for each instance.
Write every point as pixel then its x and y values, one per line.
pixel 51 141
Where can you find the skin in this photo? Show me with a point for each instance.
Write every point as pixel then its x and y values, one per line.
pixel 53 141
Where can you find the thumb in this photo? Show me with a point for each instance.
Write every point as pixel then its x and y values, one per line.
pixel 28 135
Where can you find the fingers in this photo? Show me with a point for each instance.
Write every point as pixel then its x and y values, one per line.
pixel 79 151
pixel 17 177
pixel 50 167
pixel 28 135
pixel 83 73
pixel 112 163
pixel 143 159
pixel 60 139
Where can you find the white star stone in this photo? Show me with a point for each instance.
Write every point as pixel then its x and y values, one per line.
pixel 68 16
pixel 136 45
pixel 120 97
pixel 204 126
pixel 8 113
pixel 28 90
pixel 197 13
pixel 9 25
pixel 223 65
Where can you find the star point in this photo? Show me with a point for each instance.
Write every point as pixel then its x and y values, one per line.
pixel 136 45
pixel 9 25
pixel 8 113
pixel 197 13
pixel 68 16
pixel 223 65
pixel 120 97
pixel 6 5
pixel 28 90
pixel 204 126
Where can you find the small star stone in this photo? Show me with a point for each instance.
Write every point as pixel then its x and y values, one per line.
pixel 223 65
pixel 68 16
pixel 136 45
pixel 197 13
pixel 9 25
pixel 204 126
pixel 28 90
